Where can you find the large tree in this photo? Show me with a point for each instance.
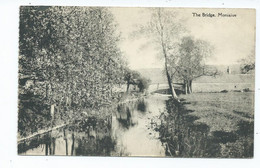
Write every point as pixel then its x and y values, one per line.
pixel 72 55
pixel 164 30
pixel 189 63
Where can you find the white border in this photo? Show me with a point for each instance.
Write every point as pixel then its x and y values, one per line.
pixel 9 18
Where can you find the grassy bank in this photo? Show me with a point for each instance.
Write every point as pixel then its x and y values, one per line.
pixel 221 111
pixel 209 125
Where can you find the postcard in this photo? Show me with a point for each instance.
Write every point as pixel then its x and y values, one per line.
pixel 136 81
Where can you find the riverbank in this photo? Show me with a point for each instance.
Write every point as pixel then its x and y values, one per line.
pixel 209 125
pixel 128 131
pixel 63 118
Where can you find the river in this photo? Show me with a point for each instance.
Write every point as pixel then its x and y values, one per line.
pixel 128 131
pixel 150 126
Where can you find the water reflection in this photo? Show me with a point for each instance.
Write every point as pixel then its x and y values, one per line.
pixel 119 134
pixel 124 116
pixel 141 106
pixel 152 126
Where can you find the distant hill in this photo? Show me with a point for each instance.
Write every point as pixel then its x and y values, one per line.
pixel 157 75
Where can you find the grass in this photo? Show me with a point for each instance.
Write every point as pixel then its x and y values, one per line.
pixel 209 125
pixel 221 111
pixel 227 78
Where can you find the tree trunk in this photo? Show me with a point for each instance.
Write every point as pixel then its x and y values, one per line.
pixel 53 146
pixel 46 148
pixel 66 141
pixel 52 112
pixel 189 90
pixel 190 86
pixel 163 45
pixel 127 87
pixel 72 146
pixel 185 87
pixel 174 95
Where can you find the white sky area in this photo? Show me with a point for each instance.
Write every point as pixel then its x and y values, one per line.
pixel 232 37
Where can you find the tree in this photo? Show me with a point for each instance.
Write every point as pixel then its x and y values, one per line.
pixel 143 83
pixel 190 63
pixel 131 78
pixel 247 64
pixel 164 30
pixel 72 54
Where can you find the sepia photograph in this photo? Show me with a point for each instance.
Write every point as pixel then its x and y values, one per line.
pixel 136 82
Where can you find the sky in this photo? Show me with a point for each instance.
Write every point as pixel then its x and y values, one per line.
pixel 232 37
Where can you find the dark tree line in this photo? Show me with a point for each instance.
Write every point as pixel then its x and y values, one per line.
pixel 134 78
pixel 72 57
pixel 248 64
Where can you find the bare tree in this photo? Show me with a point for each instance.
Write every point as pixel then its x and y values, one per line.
pixel 164 30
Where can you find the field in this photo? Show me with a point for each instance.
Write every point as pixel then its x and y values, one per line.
pixel 229 119
pixel 221 111
pixel 209 125
pixel 229 82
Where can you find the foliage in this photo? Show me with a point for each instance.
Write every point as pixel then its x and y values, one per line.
pixel 189 63
pixel 208 126
pixel 143 84
pixel 133 77
pixel 71 54
pixel 248 64
pixel 184 57
pixel 164 29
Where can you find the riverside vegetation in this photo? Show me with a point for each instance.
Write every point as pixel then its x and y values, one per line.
pixel 69 61
pixel 215 125
pixel 77 95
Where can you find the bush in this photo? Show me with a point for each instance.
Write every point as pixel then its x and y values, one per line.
pixel 143 84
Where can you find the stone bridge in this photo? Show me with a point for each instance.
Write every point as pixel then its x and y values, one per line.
pixel 154 87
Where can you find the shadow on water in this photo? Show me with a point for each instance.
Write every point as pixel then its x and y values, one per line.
pixel 124 113
pixel 85 137
pixel 89 137
pixel 142 106
pixel 125 132
pixel 124 116
pixel 184 138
